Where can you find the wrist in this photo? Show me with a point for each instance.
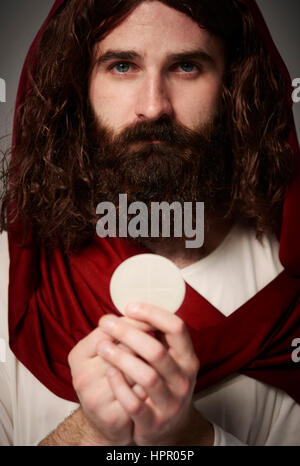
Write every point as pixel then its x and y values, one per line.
pixel 91 435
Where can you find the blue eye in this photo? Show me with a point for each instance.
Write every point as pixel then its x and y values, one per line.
pixel 122 67
pixel 188 67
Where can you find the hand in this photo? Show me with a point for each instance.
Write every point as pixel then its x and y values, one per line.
pixel 94 392
pixel 166 370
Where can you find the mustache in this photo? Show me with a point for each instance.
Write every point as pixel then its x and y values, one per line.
pixel 164 130
pixel 176 141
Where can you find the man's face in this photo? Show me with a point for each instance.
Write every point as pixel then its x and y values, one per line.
pixel 157 131
pixel 157 62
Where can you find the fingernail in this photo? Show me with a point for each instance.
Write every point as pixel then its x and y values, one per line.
pixel 108 323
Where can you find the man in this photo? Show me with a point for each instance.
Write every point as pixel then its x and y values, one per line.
pixel 162 101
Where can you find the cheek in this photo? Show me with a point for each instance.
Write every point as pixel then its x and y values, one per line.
pixel 199 105
pixel 100 98
pixel 110 103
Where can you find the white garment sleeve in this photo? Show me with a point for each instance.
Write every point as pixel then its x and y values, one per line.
pixel 6 423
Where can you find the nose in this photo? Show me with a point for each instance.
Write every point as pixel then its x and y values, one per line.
pixel 153 99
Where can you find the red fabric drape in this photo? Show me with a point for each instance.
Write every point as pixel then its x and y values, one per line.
pixel 55 300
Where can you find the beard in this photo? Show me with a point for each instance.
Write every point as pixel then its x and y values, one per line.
pixel 163 161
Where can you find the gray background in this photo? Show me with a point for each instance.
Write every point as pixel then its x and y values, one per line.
pixel 21 19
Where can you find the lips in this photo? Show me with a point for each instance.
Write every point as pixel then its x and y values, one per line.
pixel 148 141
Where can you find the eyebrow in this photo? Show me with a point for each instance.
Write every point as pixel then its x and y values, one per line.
pixel 188 55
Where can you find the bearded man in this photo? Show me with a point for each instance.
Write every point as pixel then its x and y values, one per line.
pixel 162 101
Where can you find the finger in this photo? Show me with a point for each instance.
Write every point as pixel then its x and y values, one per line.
pixel 128 350
pixel 86 349
pixel 136 408
pixel 170 324
pixel 140 392
pixel 138 370
pixel 121 390
pixel 145 346
pixel 139 325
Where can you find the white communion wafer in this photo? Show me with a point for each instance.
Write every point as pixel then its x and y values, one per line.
pixel 147 278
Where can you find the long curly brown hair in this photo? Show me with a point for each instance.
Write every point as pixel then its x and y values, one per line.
pixel 51 181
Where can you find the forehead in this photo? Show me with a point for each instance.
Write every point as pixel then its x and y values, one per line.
pixel 156 26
